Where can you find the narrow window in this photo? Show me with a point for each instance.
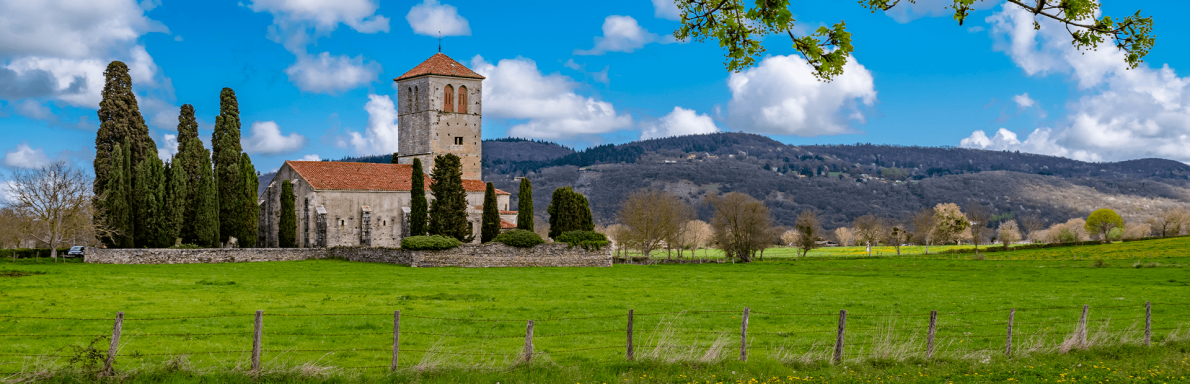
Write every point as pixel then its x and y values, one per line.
pixel 462 99
pixel 448 99
pixel 416 100
pixel 408 100
pixel 459 140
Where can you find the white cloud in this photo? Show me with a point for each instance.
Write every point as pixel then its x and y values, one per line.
pixel 34 110
pixel 620 34
pixel 1122 114
pixel 680 122
pixel 24 156
pixel 324 73
pixel 516 89
pixel 169 147
pixel 267 139
pixel 310 157
pixel 782 96
pixel 381 134
pixel 1023 100
pixel 297 22
pixel 666 9
pixel 431 18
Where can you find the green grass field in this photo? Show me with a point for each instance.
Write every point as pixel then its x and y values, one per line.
pixel 469 324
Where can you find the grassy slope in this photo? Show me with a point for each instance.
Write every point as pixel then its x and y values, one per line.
pixel 863 287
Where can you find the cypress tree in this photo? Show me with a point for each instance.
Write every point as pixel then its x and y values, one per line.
pixel 120 122
pixel 225 142
pixel 417 206
pixel 287 226
pixel 148 194
pixel 115 201
pixel 176 196
pixel 448 211
pixel 569 211
pixel 190 150
pixel 524 216
pixel 490 226
pixel 394 160
pixel 251 211
pixel 206 216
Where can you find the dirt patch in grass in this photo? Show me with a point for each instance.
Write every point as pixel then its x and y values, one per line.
pixel 15 273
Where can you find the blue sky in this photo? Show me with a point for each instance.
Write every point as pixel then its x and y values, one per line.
pixel 314 78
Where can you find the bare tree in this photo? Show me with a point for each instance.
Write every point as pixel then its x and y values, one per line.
pixel 923 227
pixel 651 217
pixel 1008 232
pixel 681 213
pixel 979 216
pixel 789 238
pixel 55 196
pixel 698 234
pixel 1170 222
pixel 1029 224
pixel 869 229
pixel 742 224
pixel 844 235
pixel 808 231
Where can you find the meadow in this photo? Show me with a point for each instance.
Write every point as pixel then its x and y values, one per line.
pixel 332 319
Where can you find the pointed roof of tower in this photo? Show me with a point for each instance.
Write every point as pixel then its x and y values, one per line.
pixel 442 65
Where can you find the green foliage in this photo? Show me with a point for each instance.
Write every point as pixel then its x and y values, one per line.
pixel 418 208
pixel 429 243
pixel 177 193
pixel 120 122
pixel 569 211
pixel 524 215
pixel 250 213
pixel 149 200
pixel 489 226
pixel 116 204
pixel 225 142
pixel 206 201
pixel 588 240
pixel 394 159
pixel 287 226
pixel 1102 222
pixel 519 238
pixel 448 211
pixel 186 246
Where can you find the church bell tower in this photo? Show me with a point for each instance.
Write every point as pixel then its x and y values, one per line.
pixel 439 112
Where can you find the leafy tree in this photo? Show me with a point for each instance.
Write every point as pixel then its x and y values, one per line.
pixel 417 206
pixel 116 202
pixel 287 226
pixel 896 234
pixel 808 231
pixel 949 222
pixel 448 211
pixel 120 122
pixel 569 211
pixel 742 225
pixel 490 225
pixel 524 215
pixel 740 26
pixel 206 200
pixel 176 195
pixel 225 142
pixel 250 213
pixel 1102 221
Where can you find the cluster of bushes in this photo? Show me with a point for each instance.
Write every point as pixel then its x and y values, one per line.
pixel 519 238
pixel 429 243
pixel 588 240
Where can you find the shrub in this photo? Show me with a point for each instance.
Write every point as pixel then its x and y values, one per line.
pixel 588 240
pixel 519 238
pixel 427 243
pixel 186 246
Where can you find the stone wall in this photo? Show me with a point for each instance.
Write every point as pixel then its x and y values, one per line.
pixel 467 255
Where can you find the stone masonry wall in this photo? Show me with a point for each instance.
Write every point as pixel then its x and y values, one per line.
pixel 467 255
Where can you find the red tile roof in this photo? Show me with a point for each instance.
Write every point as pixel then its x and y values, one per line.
pixel 508 212
pixel 336 175
pixel 440 64
pixel 506 225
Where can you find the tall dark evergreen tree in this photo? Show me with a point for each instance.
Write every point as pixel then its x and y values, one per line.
pixel 206 198
pixel 120 122
pixel 148 193
pixel 115 201
pixel 251 212
pixel 176 194
pixel 287 225
pixel 448 211
pixel 190 160
pixel 490 224
pixel 569 211
pixel 394 160
pixel 524 215
pixel 418 209
pixel 225 142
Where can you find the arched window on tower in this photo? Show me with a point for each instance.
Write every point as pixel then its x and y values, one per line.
pixel 416 100
pixel 462 99
pixel 448 99
pixel 409 99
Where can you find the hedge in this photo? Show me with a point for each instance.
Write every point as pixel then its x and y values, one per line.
pixel 519 238
pixel 588 240
pixel 429 243
pixel 29 253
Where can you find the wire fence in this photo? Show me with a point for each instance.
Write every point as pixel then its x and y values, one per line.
pixel 396 340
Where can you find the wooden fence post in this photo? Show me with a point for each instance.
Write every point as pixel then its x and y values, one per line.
pixel 396 339
pixel 1082 328
pixel 111 351
pixel 839 338
pixel 744 335
pixel 629 335
pixel 1148 322
pixel 529 342
pixel 256 342
pixel 930 334
pixel 1008 343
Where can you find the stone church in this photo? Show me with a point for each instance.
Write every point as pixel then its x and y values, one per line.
pixel 439 111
